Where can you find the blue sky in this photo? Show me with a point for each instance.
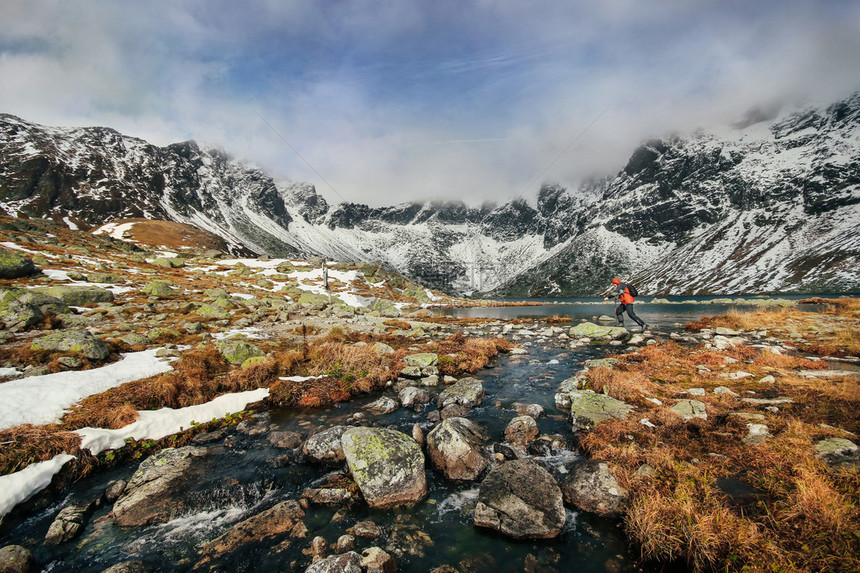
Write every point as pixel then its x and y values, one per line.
pixel 396 101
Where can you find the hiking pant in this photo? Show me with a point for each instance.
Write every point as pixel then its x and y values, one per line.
pixel 621 308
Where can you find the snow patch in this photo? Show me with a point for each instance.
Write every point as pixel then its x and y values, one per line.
pixel 156 424
pixel 20 486
pixel 44 399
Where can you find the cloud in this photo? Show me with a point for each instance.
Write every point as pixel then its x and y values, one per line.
pixel 396 101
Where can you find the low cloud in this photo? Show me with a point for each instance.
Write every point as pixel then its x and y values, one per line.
pixel 402 101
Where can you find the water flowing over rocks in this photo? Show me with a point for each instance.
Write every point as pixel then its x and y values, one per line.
pixel 456 448
pixel 592 487
pixel 277 520
pixel 521 500
pixel 387 466
pixel 346 563
pixel 149 496
pixel 69 523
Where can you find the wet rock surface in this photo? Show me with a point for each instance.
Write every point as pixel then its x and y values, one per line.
pixel 521 500
pixel 592 487
pixel 456 448
pixel 387 466
pixel 149 496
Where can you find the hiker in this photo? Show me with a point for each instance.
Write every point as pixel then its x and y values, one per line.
pixel 623 292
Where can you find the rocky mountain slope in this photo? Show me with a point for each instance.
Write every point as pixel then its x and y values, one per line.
pixel 764 206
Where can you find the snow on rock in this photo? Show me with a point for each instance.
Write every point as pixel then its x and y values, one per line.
pixel 44 399
pixel 20 486
pixel 156 424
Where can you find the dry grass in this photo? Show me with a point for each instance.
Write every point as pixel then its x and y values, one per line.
pixel 27 444
pixel 806 518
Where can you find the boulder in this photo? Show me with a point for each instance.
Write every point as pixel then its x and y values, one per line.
pixel 169 262
pixel 237 351
pixel 15 265
pixel 149 496
pixel 387 466
pixel 384 308
pixel 376 560
pixel 533 410
pixel 18 316
pixel 411 396
pixel 422 360
pixel 69 523
pixel 346 563
pixel 16 559
pixel 72 341
pixel 77 295
pixel 212 311
pixel 456 448
pixel 278 520
pixel 689 409
pixel 286 440
pixel 467 392
pixel 44 302
pixel 365 530
pixel 521 430
pixel 383 405
pixel 587 408
pixel 160 289
pixel 838 453
pixel 521 500
pixel 598 332
pixel 104 278
pixel 326 446
pixel 592 487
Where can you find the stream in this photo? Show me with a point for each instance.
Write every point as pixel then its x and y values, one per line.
pixel 245 474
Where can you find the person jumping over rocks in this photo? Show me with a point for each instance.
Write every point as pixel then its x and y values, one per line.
pixel 622 292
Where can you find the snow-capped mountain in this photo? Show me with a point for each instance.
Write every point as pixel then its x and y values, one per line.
pixel 766 206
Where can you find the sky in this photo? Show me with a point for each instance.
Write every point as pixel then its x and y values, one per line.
pixel 382 102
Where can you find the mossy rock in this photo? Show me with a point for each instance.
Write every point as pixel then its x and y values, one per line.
pixel 169 262
pixel 254 360
pixel 214 293
pixel 591 330
pixel 387 466
pixel 160 289
pixel 104 278
pixel 73 342
pixel 237 351
pixel 163 334
pixel 44 302
pixel 134 339
pixel 385 308
pixel 212 311
pixel 587 408
pixel 77 295
pixel 314 300
pixel 15 266
pixel 225 302
pixel 19 316
pixel 422 360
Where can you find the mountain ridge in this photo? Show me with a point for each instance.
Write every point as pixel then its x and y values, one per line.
pixel 769 207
